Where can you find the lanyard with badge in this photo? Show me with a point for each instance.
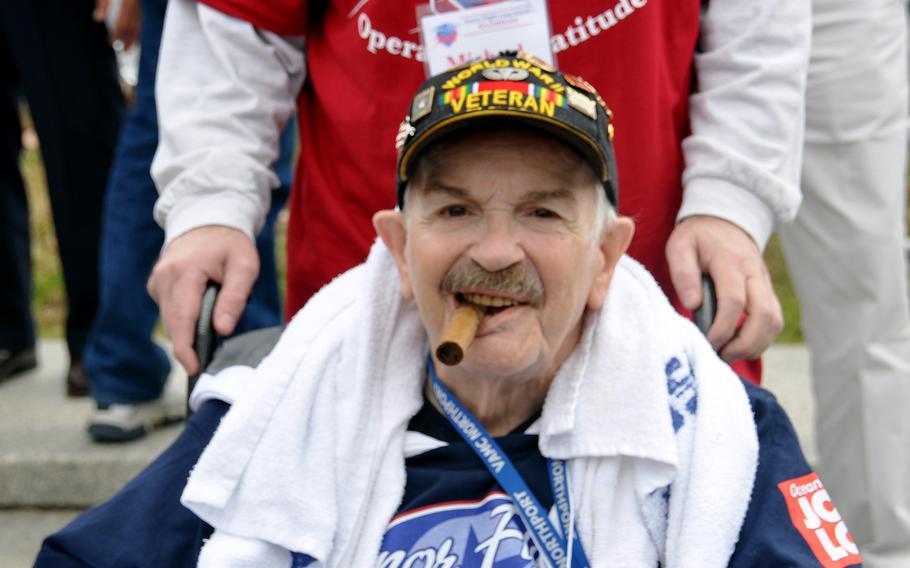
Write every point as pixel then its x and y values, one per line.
pixel 561 550
pixel 455 32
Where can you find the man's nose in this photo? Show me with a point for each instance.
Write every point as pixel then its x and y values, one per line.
pixel 498 245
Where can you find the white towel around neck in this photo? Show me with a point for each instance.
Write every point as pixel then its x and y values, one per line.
pixel 311 458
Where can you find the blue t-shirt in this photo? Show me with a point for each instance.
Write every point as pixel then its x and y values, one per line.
pixel 790 522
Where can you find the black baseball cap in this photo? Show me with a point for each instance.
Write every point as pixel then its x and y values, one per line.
pixel 511 87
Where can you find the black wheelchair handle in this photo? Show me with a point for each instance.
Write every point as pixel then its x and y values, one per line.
pixel 703 316
pixel 204 340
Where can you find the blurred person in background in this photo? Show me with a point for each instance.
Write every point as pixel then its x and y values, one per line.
pixel 845 255
pixel 129 370
pixel 61 59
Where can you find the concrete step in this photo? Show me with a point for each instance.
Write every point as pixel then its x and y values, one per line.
pixel 46 456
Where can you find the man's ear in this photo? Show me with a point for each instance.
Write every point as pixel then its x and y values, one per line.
pixel 390 225
pixel 613 245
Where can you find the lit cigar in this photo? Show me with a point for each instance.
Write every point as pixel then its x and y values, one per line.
pixel 459 334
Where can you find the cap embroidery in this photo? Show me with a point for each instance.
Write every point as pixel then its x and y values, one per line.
pixel 505 74
pixel 582 103
pixel 404 131
pixel 423 104
pixel 540 73
pixel 536 61
pixel 513 94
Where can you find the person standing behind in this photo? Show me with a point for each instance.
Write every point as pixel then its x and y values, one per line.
pixel 61 58
pixel 734 144
pixel 128 368
pixel 845 254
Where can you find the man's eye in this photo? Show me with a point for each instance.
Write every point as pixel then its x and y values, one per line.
pixel 542 213
pixel 455 211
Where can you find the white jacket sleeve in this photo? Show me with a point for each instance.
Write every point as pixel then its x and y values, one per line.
pixel 224 91
pixel 744 154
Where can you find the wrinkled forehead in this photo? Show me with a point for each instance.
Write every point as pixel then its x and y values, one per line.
pixel 460 150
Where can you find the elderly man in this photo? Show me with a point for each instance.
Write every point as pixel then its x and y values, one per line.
pixel 568 417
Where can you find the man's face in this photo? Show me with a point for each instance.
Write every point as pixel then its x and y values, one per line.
pixel 505 220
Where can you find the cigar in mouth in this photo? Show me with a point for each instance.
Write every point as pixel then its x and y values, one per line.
pixel 459 334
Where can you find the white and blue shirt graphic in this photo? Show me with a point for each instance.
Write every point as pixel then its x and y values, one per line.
pixel 454 513
pixel 485 532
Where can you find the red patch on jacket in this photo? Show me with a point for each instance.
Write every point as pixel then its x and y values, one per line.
pixel 818 520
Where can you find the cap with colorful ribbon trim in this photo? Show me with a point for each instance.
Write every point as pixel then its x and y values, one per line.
pixel 511 87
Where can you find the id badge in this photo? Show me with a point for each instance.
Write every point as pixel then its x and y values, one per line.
pixel 459 31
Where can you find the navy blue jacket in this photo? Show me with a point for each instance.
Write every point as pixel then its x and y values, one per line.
pixel 145 524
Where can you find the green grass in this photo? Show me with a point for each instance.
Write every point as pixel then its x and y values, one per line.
pixel 49 298
pixel 281 249
pixel 774 258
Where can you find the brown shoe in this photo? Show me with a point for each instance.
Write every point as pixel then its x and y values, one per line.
pixel 77 381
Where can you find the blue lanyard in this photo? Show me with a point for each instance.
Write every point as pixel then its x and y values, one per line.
pixel 550 543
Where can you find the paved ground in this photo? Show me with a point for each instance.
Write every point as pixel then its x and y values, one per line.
pixel 21 533
pixel 46 457
pixel 49 469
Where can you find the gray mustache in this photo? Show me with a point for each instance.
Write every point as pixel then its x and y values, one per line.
pixel 517 279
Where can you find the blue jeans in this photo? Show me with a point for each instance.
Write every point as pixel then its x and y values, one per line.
pixel 124 364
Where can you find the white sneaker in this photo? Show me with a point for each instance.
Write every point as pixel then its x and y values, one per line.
pixel 125 422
